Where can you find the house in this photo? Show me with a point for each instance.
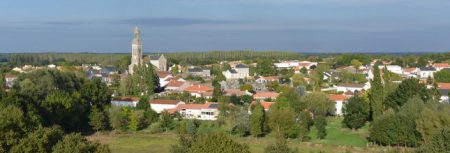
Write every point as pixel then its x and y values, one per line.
pixel 175 85
pixel 266 95
pixel 440 66
pixel 425 72
pixel 444 89
pixel 206 111
pixel 159 105
pixel 163 77
pixel 352 87
pixel 125 101
pixel 392 68
pixel 201 72
pixel 240 71
pixel 286 64
pixel 236 92
pixel 267 79
pixel 159 61
pixel 9 80
pixel 410 72
pixel 198 90
pixel 339 100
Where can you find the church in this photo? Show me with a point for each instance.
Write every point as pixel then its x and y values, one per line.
pixel 158 61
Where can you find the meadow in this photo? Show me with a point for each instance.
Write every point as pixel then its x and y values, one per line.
pixel 338 140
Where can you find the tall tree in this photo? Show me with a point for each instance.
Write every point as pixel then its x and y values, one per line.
pixel 407 89
pixel 320 123
pixel 376 94
pixel 438 143
pixel 356 112
pixel 143 103
pixel 98 119
pixel 96 93
pixel 217 142
pixel 257 120
pixel 79 144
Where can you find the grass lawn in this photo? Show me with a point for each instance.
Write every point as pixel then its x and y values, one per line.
pixel 338 140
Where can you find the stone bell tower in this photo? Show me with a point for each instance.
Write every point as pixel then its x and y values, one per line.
pixel 136 50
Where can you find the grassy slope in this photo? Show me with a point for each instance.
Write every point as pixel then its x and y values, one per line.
pixel 337 140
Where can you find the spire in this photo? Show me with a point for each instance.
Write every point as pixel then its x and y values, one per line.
pixel 137 36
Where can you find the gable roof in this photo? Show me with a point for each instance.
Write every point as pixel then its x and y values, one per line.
pixel 442 85
pixel 198 88
pixel 163 74
pixel 427 68
pixel 241 66
pixel 175 84
pixel 441 65
pixel 265 105
pixel 125 99
pixel 272 95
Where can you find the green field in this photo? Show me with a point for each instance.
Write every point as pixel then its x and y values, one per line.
pixel 338 140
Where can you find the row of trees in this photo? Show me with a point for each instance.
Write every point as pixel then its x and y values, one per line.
pixel 45 109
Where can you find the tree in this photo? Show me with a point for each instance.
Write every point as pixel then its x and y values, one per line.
pixel 376 96
pixel 442 76
pixel 431 119
pixel 217 142
pixel 257 120
pixel 305 124
pixel 75 143
pixel 356 112
pixel 12 126
pixel 297 80
pixel 119 118
pixel 143 103
pixel 96 93
pixel 438 143
pixel 320 123
pixel 246 87
pixel 143 81
pixel 407 89
pixel 241 124
pixel 304 70
pixel 265 68
pixel 98 119
pixel 166 121
pixel 356 63
pixel 137 120
pixel 283 121
pixel 319 103
pixel 41 140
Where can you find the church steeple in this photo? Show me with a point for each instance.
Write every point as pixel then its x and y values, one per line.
pixel 136 50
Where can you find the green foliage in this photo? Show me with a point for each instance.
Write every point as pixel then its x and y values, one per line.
pixel 41 140
pixel 257 120
pixel 407 89
pixel 283 121
pixel 119 118
pixel 376 96
pixel 75 143
pixel 319 103
pixel 143 81
pixel 305 124
pixel 349 77
pixel 356 112
pixel 320 123
pixel 356 63
pixel 98 119
pixel 215 143
pixel 442 76
pixel 143 103
pixel 64 109
pixel 166 121
pixel 431 119
pixel 96 93
pixel 297 80
pixel 280 146
pixel 265 68
pixel 439 142
pixel 12 126
pixel 246 87
pixel 137 120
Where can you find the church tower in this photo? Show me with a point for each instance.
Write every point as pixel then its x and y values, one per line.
pixel 136 50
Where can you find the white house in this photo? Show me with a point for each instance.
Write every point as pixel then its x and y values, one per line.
pixel 9 80
pixel 267 79
pixel 240 71
pixel 266 95
pixel 440 66
pixel 163 77
pixel 352 87
pixel 159 105
pixel 125 101
pixel 340 102
pixel 425 72
pixel 392 68
pixel 206 111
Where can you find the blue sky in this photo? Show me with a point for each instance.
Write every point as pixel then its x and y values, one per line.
pixel 202 25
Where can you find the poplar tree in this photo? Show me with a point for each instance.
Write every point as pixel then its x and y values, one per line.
pixel 257 120
pixel 376 95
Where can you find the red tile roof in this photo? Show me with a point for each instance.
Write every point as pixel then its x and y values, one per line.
pixel 266 105
pixel 236 92
pixel 198 88
pixel 10 76
pixel 164 101
pixel 444 85
pixel 191 106
pixel 163 74
pixel 441 65
pixel 410 69
pixel 272 95
pixel 337 97
pixel 125 99
pixel 270 78
pixel 175 84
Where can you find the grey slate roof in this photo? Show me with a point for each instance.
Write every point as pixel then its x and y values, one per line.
pixel 241 66
pixel 233 71
pixel 427 69
pixel 195 69
pixel 155 57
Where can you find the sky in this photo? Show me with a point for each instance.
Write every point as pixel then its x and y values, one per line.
pixel 316 26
